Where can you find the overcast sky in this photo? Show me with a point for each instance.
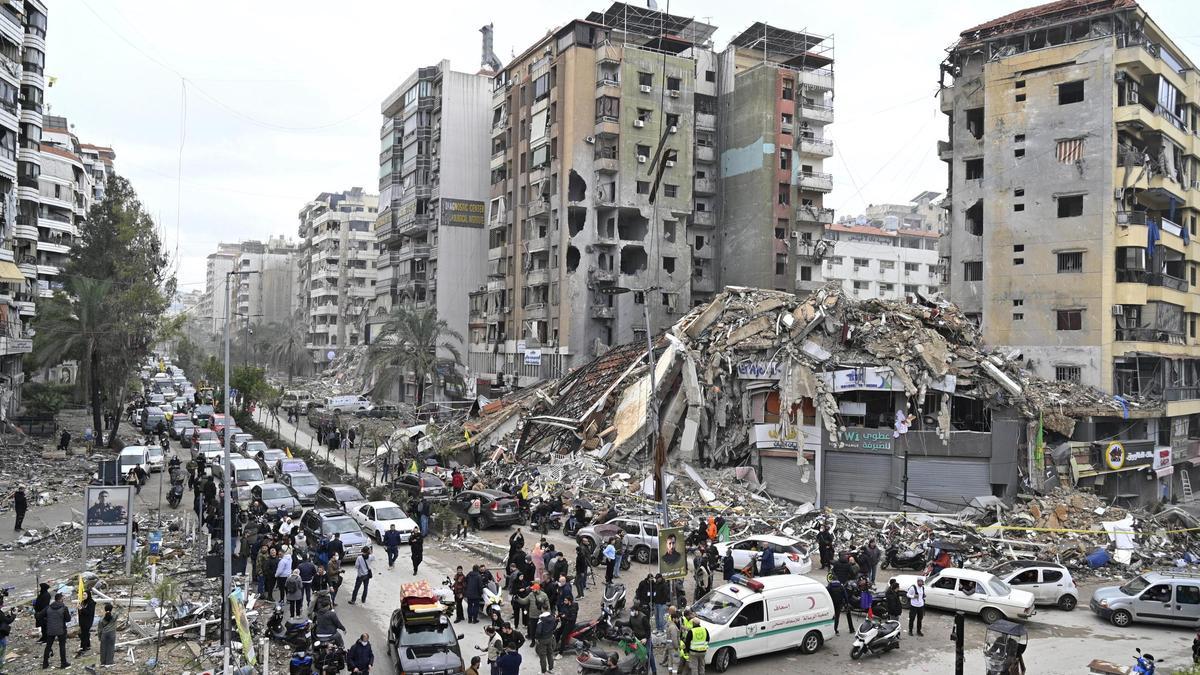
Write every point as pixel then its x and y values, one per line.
pixel 282 98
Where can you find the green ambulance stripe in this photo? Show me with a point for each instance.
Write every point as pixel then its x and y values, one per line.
pixel 802 626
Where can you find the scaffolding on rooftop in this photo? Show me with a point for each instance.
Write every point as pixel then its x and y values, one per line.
pixel 797 49
pixel 631 20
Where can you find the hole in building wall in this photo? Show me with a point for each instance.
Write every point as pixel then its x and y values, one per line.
pixel 668 264
pixel 632 225
pixel 576 187
pixel 633 259
pixel 576 217
pixel 974 218
pixel 572 258
pixel 975 122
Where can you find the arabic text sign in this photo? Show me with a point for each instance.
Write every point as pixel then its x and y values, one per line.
pixel 760 370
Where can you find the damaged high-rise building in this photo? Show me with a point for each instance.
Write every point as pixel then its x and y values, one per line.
pixel 606 174
pixel 1073 169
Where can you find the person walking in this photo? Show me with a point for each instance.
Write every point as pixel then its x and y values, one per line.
pixel 40 603
pixel 457 482
pixel 57 618
pixel 841 604
pixel 619 548
pixel 891 598
pixel 269 562
pixel 333 577
pixel 108 636
pixel 391 544
pixel 363 574
pixel 64 441
pixel 868 560
pixel 283 570
pixel 495 647
pixel 425 508
pixel 87 616
pixel 308 572
pixel 361 658
pixel 416 549
pixel 294 593
pixel 20 506
pixel 543 636
pixel 352 435
pixel 916 605
pixel 703 580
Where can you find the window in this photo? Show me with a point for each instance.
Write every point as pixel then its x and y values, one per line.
pixel 911 289
pixel 973 270
pixel 1020 84
pixel 861 262
pixel 643 187
pixel 1050 576
pixel 1159 593
pixel 750 615
pixel 643 150
pixel 671 190
pixel 1018 192
pixel 1018 316
pixel 1017 248
pixel 780 263
pixel 1187 595
pixel 806 275
pixel 1018 302
pixel 885 265
pixel 785 120
pixel 541 87
pixel 645 79
pixel 1070 319
pixel 1026 577
pixel 1018 261
pixel 643 115
pixel 975 122
pixel 668 264
pixel 1020 98
pixel 785 159
pixel 1018 207
pixel 886 288
pixel 912 267
pixel 946 583
pixel 779 233
pixel 673 84
pixel 1019 138
pixel 1070 262
pixel 974 168
pixel 1019 153
pixel 785 194
pixel 710 76
pixel 608 108
pixel 1070 92
pixel 861 285
pixel 1070 150
pixel 1067 374
pixel 1070 206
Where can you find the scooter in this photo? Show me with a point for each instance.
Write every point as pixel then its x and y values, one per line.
pixel 301 663
pixel 1143 664
pixel 328 658
pixel 175 496
pixel 596 661
pixel 597 558
pixel 912 559
pixel 577 520
pixel 614 597
pixel 875 636
pixel 493 599
pixel 293 631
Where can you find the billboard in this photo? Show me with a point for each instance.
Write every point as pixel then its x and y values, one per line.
pixel 463 213
pixel 108 513
pixel 672 561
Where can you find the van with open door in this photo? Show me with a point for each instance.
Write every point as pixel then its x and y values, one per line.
pixel 764 615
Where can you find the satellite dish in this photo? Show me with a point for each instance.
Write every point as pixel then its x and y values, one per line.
pixel 330 354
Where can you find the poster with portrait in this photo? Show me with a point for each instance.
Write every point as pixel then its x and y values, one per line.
pixel 108 515
pixel 672 559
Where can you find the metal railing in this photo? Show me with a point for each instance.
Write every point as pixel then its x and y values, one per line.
pixel 1183 393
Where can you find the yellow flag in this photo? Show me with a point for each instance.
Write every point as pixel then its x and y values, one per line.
pixel 287 451
pixel 81 590
pixel 467 435
pixel 524 490
pixel 413 468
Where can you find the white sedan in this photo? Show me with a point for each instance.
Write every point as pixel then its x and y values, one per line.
pixel 788 552
pixel 375 518
pixel 971 591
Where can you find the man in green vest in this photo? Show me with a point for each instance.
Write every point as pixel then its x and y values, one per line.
pixel 695 644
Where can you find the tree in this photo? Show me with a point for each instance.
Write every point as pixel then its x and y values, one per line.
pixel 286 348
pixel 409 343
pixel 251 385
pixel 118 242
pixel 187 355
pixel 76 327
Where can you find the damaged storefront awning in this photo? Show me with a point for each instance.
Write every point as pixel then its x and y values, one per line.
pixel 9 273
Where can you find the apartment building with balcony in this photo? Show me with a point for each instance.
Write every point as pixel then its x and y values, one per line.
pixel 267 293
pixel 66 194
pixel 592 186
pixel 336 270
pixel 98 162
pixel 433 192
pixel 775 105
pixel 876 262
pixel 215 305
pixel 1073 192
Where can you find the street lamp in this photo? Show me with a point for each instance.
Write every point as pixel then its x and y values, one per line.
pixel 660 453
pixel 226 527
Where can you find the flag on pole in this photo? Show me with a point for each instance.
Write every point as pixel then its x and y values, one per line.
pixel 525 490
pixel 413 467
pixel 1039 447
pixel 81 589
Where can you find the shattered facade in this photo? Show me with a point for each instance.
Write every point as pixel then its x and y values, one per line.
pixel 1073 166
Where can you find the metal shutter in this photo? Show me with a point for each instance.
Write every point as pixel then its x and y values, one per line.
pixel 853 479
pixel 785 479
pixel 953 483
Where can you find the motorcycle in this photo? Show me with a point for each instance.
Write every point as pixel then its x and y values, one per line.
pixel 328 658
pixel 175 495
pixel 912 559
pixel 293 631
pixel 493 600
pixel 580 637
pixel 596 661
pixel 579 518
pixel 1143 664
pixel 614 596
pixel 596 558
pixel 875 636
pixel 301 663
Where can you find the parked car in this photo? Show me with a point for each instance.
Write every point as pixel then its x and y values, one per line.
pixel 423 642
pixel 424 485
pixel 972 591
pixel 246 474
pixel 151 417
pixel 267 458
pixel 379 412
pixel 181 427
pixel 1167 597
pixel 275 496
pixel 226 431
pixel 495 507
pixel 250 448
pixel 207 435
pixel 375 518
pixel 288 465
pixel 641 537
pixel 303 485
pixel 339 496
pixel 212 451
pixel 325 522
pixel 1050 583
pixel 789 552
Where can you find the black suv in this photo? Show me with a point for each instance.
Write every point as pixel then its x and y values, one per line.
pixel 424 644
pixel 338 496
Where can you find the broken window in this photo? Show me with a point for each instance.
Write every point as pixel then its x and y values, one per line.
pixel 970 414
pixel 576 187
pixel 973 218
pixel 785 159
pixel 1070 92
pixel 973 270
pixel 785 194
pixel 974 168
pixel 576 217
pixel 779 233
pixel 669 230
pixel 632 226
pixel 1070 262
pixel 975 122
pixel 633 259
pixel 572 258
pixel 1070 206
pixel 668 264
pixel 643 187
pixel 1067 373
pixel 785 121
pixel 608 109
pixel 642 151
pixel 1069 319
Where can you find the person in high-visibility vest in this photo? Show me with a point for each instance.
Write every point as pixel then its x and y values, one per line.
pixel 695 644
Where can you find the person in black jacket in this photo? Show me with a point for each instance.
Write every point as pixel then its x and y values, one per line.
pixel 644 595
pixel 662 596
pixel 581 570
pixel 892 599
pixel 361 658
pixel 568 615
pixel 844 569
pixel 727 569
pixel 20 505
pixel 825 546
pixel 841 604
pixel 473 591
pixel 55 626
pixel 40 603
pixel 87 616
pixel 416 548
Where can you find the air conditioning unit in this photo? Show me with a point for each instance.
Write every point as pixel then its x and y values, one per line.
pixel 795 235
pixel 673 129
pixel 506 310
pixel 670 163
pixel 639 123
pixel 589 139
pixel 642 159
pixel 1118 310
pixel 674 93
pixel 645 88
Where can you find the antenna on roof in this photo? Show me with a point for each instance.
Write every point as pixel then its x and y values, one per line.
pixel 489 59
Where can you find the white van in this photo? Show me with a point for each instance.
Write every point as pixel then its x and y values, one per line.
pixel 764 615
pixel 348 403
pixel 131 456
pixel 298 399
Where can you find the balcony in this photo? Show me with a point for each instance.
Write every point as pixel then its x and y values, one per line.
pixel 1159 279
pixel 814 214
pixel 536 208
pixel 945 150
pixel 538 174
pixel 23 231
pixel 785 127
pixel 410 282
pixel 1148 335
pixel 704 219
pixel 815 112
pixel 706 121
pixel 607 126
pixel 537 244
pixel 818 79
pixel 497 160
pixel 1182 393
pixel 602 312
pixel 705 153
pixel 817 147
pixel 705 186
pixel 600 276
pixel 608 85
pixel 606 164
pixel 1131 276
pixel 498 253
pixel 536 310
pixel 820 182
pixel 538 277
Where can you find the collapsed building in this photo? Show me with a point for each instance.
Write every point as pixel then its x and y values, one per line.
pixel 839 402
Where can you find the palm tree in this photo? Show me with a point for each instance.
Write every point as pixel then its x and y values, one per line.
pixel 409 342
pixel 286 348
pixel 73 326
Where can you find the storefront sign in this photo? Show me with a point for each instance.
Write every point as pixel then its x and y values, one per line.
pixel 533 357
pixel 1162 457
pixel 766 436
pixel 760 370
pixel 873 440
pixel 1117 456
pixel 879 379
pixel 463 213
